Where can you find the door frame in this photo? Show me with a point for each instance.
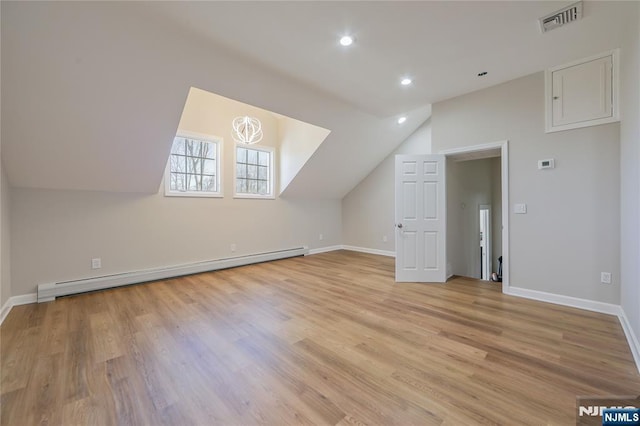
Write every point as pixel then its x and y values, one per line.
pixel 504 163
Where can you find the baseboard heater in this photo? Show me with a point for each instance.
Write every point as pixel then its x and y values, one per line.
pixel 49 291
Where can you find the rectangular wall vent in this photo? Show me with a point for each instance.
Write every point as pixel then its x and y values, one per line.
pixel 561 17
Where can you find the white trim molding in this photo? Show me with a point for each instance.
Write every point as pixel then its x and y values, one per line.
pixel 589 305
pixel 634 344
pixel 49 291
pixel 503 145
pixel 219 144
pixel 23 299
pixel 141 276
pixel 370 251
pixel 272 172
pixel 324 249
pixel 541 296
pixel 379 252
pixel 559 299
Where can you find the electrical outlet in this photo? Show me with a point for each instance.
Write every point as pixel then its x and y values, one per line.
pixel 233 247
pixel 384 239
pixel 96 263
pixel 321 237
pixel 605 277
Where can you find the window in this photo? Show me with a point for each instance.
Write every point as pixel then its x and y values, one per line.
pixel 193 169
pixel 254 172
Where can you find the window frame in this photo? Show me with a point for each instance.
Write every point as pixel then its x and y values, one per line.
pixel 271 178
pixel 218 143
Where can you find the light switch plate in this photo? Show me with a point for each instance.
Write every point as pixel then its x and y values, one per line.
pixel 546 164
pixel 520 208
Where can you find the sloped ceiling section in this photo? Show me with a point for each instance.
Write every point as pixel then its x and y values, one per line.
pixel 93 92
pixel 87 101
pixel 298 142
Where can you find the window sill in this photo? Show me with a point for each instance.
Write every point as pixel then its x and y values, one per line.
pixel 194 194
pixel 254 196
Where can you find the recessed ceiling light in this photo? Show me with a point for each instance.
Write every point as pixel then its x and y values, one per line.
pixel 402 120
pixel 346 40
pixel 406 81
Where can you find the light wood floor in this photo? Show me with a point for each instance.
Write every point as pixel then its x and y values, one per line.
pixel 324 339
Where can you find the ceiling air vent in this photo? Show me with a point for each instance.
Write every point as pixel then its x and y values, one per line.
pixel 561 17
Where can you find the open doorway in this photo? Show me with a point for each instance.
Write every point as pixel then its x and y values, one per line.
pixel 477 211
pixel 484 221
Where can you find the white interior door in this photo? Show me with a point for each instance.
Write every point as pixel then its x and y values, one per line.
pixel 420 218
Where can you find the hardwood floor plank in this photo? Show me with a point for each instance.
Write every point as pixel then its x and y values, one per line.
pixel 328 339
pixel 18 362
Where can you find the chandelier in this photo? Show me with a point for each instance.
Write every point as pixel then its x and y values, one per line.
pixel 247 130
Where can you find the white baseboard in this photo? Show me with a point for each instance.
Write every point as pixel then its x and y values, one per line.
pixel 353 248
pixel 48 292
pixel 370 251
pixel 15 301
pixel 558 299
pixel 631 337
pixel 589 305
pixel 325 249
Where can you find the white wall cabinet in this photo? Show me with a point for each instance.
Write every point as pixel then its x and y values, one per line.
pixel 582 93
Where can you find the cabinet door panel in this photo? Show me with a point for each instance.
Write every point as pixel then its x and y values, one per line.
pixel 582 92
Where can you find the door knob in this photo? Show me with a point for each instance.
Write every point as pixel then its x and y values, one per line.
pixel 399 226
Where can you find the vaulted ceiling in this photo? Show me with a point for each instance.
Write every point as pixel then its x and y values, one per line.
pixel 92 91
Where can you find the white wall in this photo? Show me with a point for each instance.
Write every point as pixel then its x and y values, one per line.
pixel 298 141
pixel 368 212
pixel 571 231
pixel 57 233
pixel 5 239
pixel 469 185
pixel 630 175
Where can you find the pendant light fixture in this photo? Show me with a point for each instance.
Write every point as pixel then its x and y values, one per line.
pixel 247 130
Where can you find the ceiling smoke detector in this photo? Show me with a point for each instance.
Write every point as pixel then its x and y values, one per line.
pixel 561 17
